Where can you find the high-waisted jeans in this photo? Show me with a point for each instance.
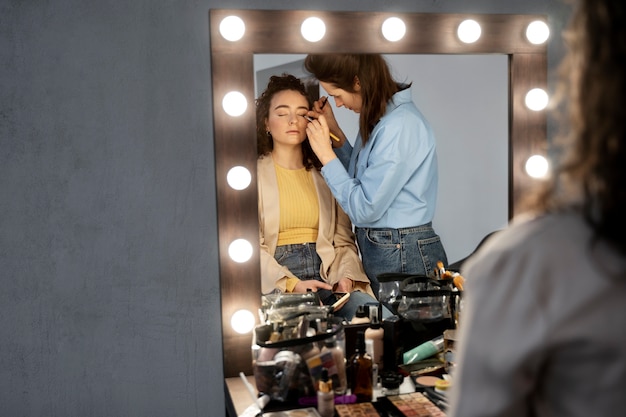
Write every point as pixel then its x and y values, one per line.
pixel 411 250
pixel 304 262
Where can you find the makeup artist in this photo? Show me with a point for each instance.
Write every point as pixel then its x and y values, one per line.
pixel 387 182
pixel 306 239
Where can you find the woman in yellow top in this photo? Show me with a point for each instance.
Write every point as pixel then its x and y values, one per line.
pixel 306 238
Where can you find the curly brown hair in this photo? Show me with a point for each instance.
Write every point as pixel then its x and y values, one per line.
pixel 592 91
pixel 265 142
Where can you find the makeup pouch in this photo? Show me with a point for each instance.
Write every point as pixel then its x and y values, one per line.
pixel 389 289
pixel 286 361
pixel 425 299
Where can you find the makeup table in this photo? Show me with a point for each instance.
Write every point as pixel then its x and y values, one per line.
pixel 237 395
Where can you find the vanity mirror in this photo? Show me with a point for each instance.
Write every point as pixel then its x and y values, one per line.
pixel 279 32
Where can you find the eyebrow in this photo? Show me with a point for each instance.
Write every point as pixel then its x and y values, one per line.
pixel 284 106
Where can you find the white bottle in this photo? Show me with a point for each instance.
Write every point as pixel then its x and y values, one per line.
pixel 325 396
pixel 341 383
pixel 375 333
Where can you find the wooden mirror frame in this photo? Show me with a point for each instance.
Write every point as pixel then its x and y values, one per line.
pixel 278 32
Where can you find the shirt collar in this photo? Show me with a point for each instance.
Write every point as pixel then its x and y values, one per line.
pixel 399 98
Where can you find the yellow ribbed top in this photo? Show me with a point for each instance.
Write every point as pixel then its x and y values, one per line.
pixel 299 208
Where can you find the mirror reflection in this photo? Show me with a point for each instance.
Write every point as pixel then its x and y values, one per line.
pixel 465 99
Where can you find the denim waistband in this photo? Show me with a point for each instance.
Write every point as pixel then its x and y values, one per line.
pixel 292 246
pixel 403 230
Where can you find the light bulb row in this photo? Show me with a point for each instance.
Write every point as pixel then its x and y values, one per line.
pixel 313 29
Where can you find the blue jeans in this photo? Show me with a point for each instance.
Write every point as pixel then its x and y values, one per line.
pixel 304 262
pixel 412 250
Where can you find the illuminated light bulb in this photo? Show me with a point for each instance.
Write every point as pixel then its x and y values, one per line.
pixel 240 250
pixel 232 28
pixel 536 99
pixel 238 178
pixel 537 32
pixel 469 31
pixel 393 29
pixel 242 321
pixel 234 103
pixel 537 166
pixel 313 29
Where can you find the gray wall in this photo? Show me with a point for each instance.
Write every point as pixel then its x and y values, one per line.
pixel 109 304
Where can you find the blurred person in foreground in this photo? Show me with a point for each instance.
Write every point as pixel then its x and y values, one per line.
pixel 543 331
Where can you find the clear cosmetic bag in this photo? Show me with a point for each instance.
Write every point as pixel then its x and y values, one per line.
pixel 425 300
pixel 288 352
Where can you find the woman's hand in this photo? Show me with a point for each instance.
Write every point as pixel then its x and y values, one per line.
pixel 311 284
pixel 321 107
pixel 319 138
pixel 344 285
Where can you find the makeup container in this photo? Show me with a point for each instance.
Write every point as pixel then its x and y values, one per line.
pixel 361 316
pixel 424 300
pixel 391 382
pixel 392 342
pixel 423 351
pixel 325 396
pixel 340 380
pixel 360 371
pixel 375 334
pixel 389 291
pixel 289 368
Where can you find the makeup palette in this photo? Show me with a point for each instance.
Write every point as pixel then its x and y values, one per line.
pixel 414 404
pixel 356 410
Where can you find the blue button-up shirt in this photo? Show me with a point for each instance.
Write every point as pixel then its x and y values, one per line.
pixel 391 182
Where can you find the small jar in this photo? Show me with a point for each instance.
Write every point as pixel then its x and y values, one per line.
pixel 391 382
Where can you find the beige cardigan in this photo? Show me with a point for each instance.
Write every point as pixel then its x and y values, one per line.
pixel 338 260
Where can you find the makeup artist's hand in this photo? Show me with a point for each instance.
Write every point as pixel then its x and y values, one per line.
pixel 319 138
pixel 321 107
pixel 312 284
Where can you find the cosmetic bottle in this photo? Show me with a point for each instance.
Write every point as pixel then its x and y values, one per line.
pixel 340 381
pixel 360 371
pixel 361 316
pixel 369 348
pixel 375 333
pixel 392 342
pixel 325 396
pixel 423 351
pixel 276 334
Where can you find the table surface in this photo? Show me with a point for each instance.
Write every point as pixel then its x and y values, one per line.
pixel 242 399
pixel 239 393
